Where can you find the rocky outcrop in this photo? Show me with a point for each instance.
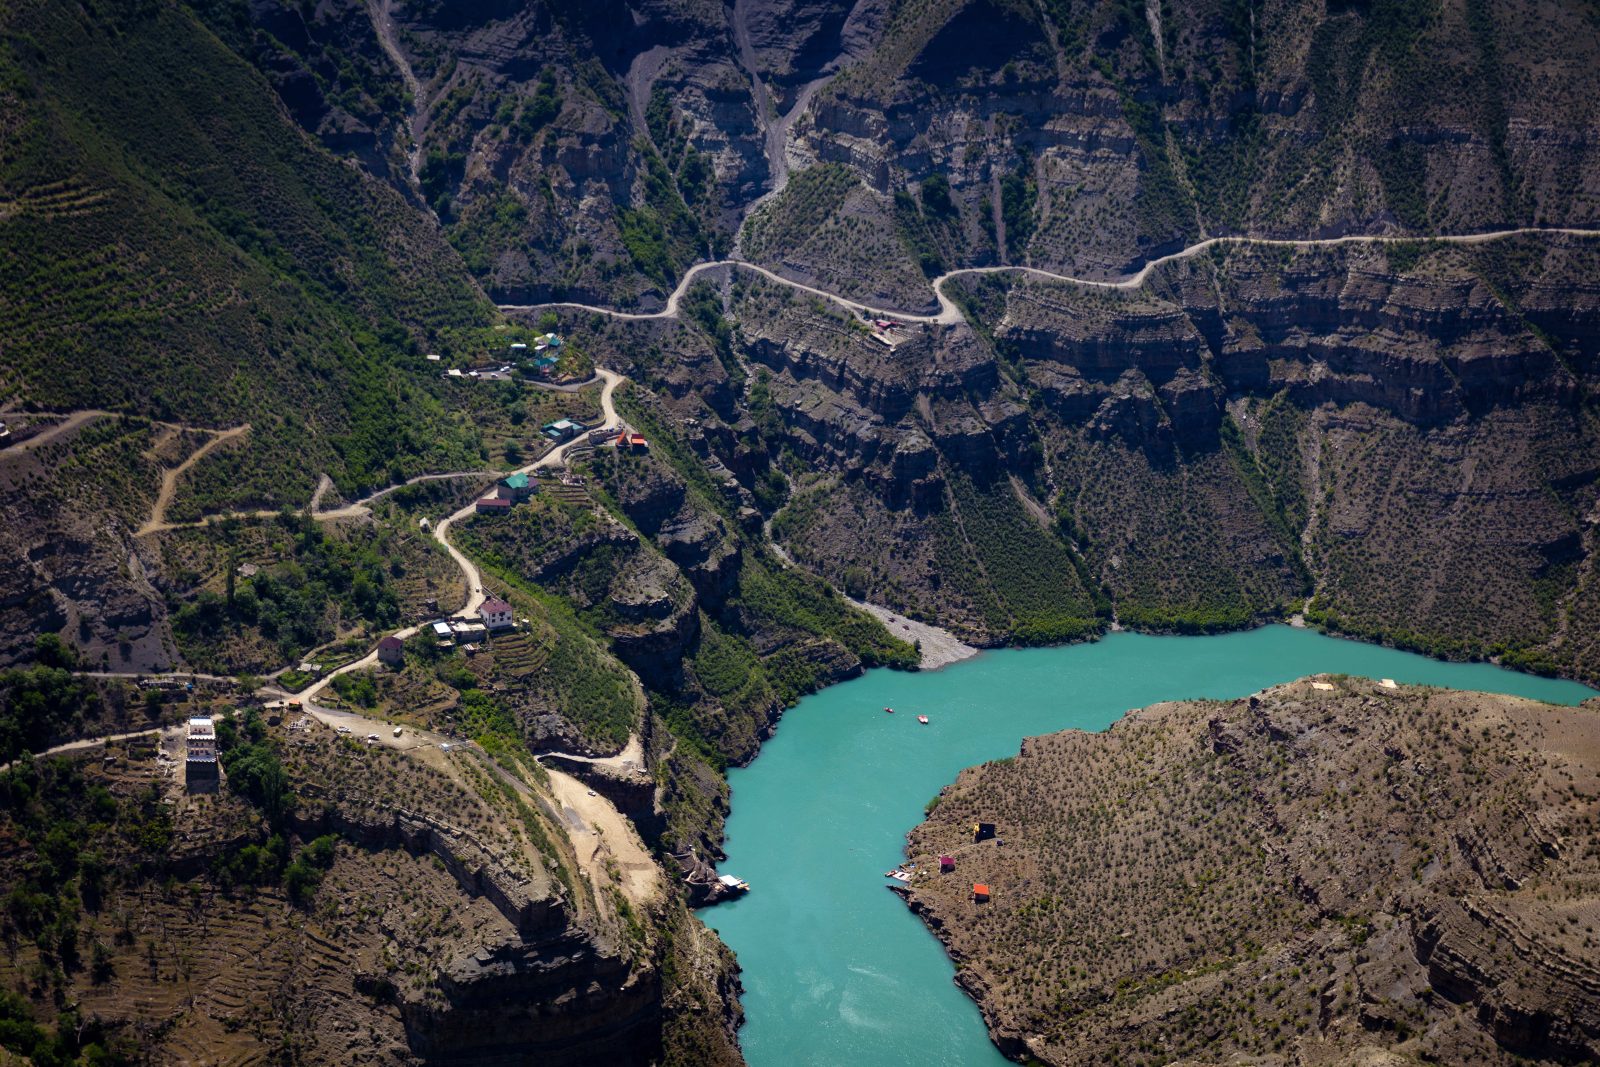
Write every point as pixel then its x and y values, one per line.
pixel 559 1000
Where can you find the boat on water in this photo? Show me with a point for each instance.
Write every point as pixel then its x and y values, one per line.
pixel 889 710
pixel 923 719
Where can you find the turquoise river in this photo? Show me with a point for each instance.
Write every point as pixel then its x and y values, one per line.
pixel 836 969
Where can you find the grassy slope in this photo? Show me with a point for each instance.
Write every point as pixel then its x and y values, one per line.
pixel 172 245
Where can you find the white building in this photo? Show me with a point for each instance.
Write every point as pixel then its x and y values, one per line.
pixel 202 747
pixel 496 614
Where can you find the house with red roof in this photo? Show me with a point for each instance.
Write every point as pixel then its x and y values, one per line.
pixel 493 505
pixel 496 614
pixel 392 650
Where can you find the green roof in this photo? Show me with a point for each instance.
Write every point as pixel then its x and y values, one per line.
pixel 516 481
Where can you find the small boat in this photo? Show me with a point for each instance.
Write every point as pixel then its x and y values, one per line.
pixel 889 710
pixel 923 719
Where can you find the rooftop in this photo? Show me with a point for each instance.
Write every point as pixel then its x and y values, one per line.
pixel 494 605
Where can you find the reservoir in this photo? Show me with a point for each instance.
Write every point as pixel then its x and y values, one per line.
pixel 836 969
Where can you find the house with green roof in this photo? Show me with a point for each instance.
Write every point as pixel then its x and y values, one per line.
pixel 518 487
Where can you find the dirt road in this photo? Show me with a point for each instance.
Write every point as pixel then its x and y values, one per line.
pixel 586 811
pixel 169 479
pixel 441 529
pixel 949 313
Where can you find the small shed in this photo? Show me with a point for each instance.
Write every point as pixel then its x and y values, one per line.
pixel 947 864
pixel 980 893
pixel 982 831
pixel 392 651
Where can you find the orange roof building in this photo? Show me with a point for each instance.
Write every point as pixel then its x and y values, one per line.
pixel 980 892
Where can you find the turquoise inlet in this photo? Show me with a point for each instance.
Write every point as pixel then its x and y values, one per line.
pixel 836 970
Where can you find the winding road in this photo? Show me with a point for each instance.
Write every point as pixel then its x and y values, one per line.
pixel 949 313
pixel 469 570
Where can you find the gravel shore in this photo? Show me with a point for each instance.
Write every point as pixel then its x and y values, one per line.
pixel 940 647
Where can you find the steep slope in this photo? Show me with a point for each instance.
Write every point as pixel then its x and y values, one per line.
pixel 1347 874
pixel 175 247
pixel 1092 136
pixel 340 902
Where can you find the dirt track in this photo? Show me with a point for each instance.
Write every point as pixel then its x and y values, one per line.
pixel 949 313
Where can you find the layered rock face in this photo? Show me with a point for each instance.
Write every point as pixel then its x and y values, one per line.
pixel 593 151
pixel 1361 425
pixel 1091 137
pixel 1330 871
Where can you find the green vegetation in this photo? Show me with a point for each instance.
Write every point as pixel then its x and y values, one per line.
pixel 540 109
pixel 793 598
pixel 1034 576
pixel 854 241
pixel 1018 195
pixel 177 235
pixel 812 198
pixel 41 704
pixel 321 585
pixel 73 843
pixel 662 236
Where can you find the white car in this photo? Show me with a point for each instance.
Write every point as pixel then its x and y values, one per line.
pixel 372 737
pixel 344 729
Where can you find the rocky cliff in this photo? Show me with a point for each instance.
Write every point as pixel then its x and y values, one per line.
pixel 1330 870
pixel 592 151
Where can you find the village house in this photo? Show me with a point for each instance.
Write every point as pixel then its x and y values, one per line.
pixel 492 505
pixel 200 767
pixel 496 614
pixel 464 630
pixel 202 746
pixel 517 487
pixel 632 442
pixel 392 651
pixel 561 429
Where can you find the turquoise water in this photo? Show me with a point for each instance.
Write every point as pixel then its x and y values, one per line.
pixel 836 969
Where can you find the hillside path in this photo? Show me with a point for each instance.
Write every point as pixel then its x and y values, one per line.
pixel 170 476
pixel 949 313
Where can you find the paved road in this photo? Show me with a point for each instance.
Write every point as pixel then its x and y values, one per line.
pixel 949 313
